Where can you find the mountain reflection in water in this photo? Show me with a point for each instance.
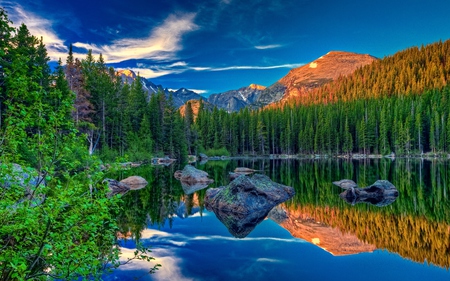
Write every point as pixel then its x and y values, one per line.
pixel 408 239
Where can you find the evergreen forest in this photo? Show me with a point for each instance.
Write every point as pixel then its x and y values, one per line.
pixel 59 125
pixel 396 105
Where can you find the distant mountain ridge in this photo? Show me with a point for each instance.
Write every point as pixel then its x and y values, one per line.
pixel 298 83
pixel 234 100
pixel 180 97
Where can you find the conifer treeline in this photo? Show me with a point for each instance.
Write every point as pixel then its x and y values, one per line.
pixel 404 125
pixel 119 118
pixel 411 71
pixel 398 104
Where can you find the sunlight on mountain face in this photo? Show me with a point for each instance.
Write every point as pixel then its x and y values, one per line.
pixel 313 65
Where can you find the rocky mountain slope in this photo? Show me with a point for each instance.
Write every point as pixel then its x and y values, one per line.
pixel 300 81
pixel 180 97
pixel 234 100
pixel 297 83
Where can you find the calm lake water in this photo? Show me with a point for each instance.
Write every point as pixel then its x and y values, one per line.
pixel 314 236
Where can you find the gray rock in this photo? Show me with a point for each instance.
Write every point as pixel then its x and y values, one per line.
pixel 192 179
pixel 26 179
pixel 244 170
pixel 135 182
pixel 116 187
pixel 381 193
pixel 245 202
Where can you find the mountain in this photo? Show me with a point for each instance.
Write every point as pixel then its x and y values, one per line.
pixel 234 100
pixel 180 97
pixel 300 81
pixel 295 85
pixel 331 239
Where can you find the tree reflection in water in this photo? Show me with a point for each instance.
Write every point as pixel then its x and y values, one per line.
pixel 416 225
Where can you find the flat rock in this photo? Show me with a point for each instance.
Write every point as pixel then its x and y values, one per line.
pixel 135 182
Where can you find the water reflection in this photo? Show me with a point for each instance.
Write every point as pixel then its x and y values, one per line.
pixel 416 226
pixel 240 224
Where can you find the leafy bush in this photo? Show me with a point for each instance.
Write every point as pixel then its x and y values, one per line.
pixel 217 152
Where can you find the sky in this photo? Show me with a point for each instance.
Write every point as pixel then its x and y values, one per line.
pixel 211 46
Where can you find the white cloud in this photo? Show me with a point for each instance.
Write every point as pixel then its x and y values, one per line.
pixel 269 260
pixel 200 92
pixel 241 67
pixel 154 71
pixel 39 27
pixel 170 269
pixel 162 43
pixel 265 47
pixel 148 72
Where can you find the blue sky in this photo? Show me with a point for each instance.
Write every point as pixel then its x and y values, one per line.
pixel 213 46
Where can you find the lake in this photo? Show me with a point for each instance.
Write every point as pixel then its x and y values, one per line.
pixel 316 235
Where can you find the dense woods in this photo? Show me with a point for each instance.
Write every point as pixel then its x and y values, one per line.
pixel 398 104
pixel 394 105
pixel 56 221
pixel 405 125
pixel 415 225
pixel 56 123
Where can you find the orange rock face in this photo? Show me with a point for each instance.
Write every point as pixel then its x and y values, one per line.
pixel 127 73
pixel 331 239
pixel 257 87
pixel 299 81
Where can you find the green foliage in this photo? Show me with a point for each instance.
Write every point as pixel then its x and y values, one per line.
pixel 56 221
pixel 217 152
pixel 408 125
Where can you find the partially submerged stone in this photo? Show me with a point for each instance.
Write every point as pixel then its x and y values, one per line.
pixel 381 193
pixel 244 171
pixel 192 179
pixel 191 187
pixel 116 187
pixel 166 161
pixel 135 182
pixel 246 201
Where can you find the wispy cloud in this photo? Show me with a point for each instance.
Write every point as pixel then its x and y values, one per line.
pixel 265 47
pixel 247 67
pixel 39 27
pixel 154 71
pixel 162 44
pixel 150 73
pixel 171 269
pixel 198 91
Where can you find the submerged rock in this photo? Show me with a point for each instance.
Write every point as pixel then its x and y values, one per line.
pixel 116 187
pixel 135 182
pixel 246 201
pixel 381 193
pixel 244 171
pixel 192 179
pixel 189 187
